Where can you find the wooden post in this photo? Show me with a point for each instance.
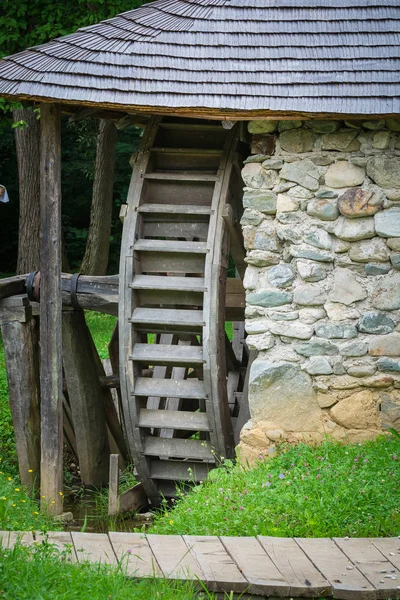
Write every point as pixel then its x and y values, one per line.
pixel 86 399
pixel 20 337
pixel 51 479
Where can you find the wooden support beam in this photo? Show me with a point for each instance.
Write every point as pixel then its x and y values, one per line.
pixel 86 399
pixel 51 479
pixel 10 286
pixel 22 364
pixel 237 250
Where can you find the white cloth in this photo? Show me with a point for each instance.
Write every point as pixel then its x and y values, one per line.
pixel 4 197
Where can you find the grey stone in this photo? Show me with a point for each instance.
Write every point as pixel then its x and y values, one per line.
pixel 381 140
pixel 310 253
pixel 343 174
pixel 269 298
pixel 281 393
pixel 280 276
pixel 346 288
pixel 319 238
pixel 374 124
pixel 324 126
pixel 283 187
pixel 309 295
pixel 386 295
pixel 344 141
pixel 262 341
pixel 395 260
pixel 322 160
pixel 361 370
pixel 335 331
pixel 251 217
pixel 258 258
pixel 356 348
pixel 310 271
pixel 390 411
pixel 288 234
pixel 292 329
pixel 291 217
pixel 261 200
pixel 393 124
pixel 325 193
pixel 358 202
pixel 265 239
pixel 319 365
pixel 385 171
pixel 273 163
pixel 385 345
pixel 255 176
pixel 297 140
pixel 316 347
pixel 394 244
pixel 377 269
pixel 387 222
pixel 251 278
pixel 283 316
pixel 337 365
pixel 256 158
pixel 285 204
pixel 262 126
pixel 340 312
pixel 374 250
pixel 388 365
pixel 311 315
pixel 303 172
pixel 353 124
pixel 256 326
pixel 340 247
pixel 323 208
pixel 392 194
pixel 298 191
pixel 353 230
pixel 375 322
pixel 285 125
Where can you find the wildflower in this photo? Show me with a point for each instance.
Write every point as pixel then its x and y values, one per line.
pixel 30 470
pixel 4 498
pixel 129 551
pixel 281 476
pixel 35 512
pixel 23 501
pixel 171 522
pixel 43 496
pixel 61 494
pixel 17 489
pixel 14 505
pixel 241 507
pixel 9 478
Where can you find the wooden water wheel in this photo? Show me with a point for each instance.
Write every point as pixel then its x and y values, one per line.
pixel 181 374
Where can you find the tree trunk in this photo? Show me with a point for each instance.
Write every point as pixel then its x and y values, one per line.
pixel 27 141
pixel 95 260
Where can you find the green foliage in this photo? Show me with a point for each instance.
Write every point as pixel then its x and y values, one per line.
pixel 8 455
pixel 101 327
pixel 323 491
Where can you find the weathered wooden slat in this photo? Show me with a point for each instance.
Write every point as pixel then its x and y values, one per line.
pixel 93 547
pixel 61 540
pixel 135 554
pixel 179 470
pixel 346 580
pixel 188 151
pixel 171 419
pixel 256 566
pixel 10 286
pixel 219 568
pixel 174 230
pixel 169 262
pixel 177 284
pixel 193 127
pixel 192 319
pixel 171 246
pixel 180 177
pixel 162 354
pixel 8 539
pixel 174 557
pixel 178 448
pixel 169 388
pixel 174 209
pixel 295 566
pixel 390 548
pixel 236 247
pixel 372 564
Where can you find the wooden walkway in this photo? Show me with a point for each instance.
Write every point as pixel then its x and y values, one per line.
pixel 344 568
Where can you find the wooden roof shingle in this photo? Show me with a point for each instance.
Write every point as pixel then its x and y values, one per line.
pixel 223 56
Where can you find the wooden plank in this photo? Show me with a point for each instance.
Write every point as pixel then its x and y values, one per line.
pixel 61 540
pixel 175 229
pixel 257 567
pixel 170 246
pixel 174 419
pixel 298 570
pixel 51 472
pixel 188 151
pixel 8 539
pixel 390 548
pixel 168 262
pixel 86 399
pixel 10 286
pixel 180 177
pixel 164 354
pixel 156 298
pixel 21 352
pixel 154 282
pixel 135 554
pixel 236 247
pixel 346 580
pixel 175 558
pixel 178 448
pixel 220 570
pixel 113 486
pixel 372 564
pixel 169 317
pixel 93 547
pixel 169 388
pixel 133 499
pixel 179 470
pixel 171 209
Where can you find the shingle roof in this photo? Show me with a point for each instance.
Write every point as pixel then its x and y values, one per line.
pixel 317 56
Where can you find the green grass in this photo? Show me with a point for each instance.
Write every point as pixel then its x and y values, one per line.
pixel 323 491
pixel 44 573
pixel 101 327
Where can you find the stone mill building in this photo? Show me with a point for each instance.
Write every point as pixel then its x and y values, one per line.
pixel 313 87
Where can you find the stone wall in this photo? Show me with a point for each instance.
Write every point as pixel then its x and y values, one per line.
pixel 322 231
